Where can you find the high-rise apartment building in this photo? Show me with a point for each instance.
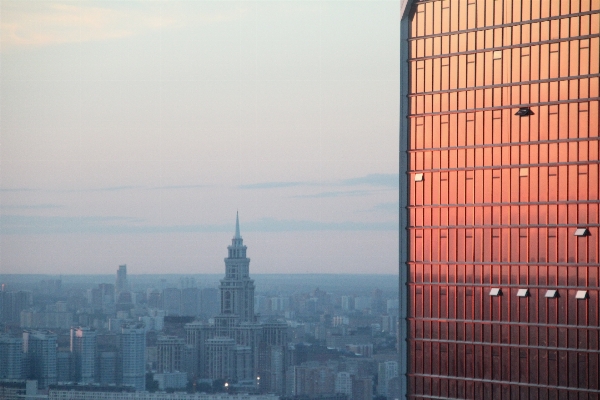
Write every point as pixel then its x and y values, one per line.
pixel 133 356
pixel 312 380
pixel 386 372
pixel 40 349
pixel 343 383
pixel 499 177
pixel 83 350
pixel 11 356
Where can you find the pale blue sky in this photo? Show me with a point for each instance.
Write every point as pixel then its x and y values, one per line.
pixel 132 131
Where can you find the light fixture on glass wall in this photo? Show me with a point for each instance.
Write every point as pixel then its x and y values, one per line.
pixel 496 292
pixel 582 232
pixel 551 293
pixel 581 295
pixel 418 177
pixel 523 293
pixel 524 112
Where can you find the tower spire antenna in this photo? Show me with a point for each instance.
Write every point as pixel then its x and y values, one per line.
pixel 237 225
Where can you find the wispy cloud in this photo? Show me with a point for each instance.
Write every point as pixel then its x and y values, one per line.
pixel 381 180
pixel 180 187
pixel 133 187
pixel 107 188
pixel 27 224
pixel 96 189
pixel 341 193
pixel 41 23
pixel 21 224
pixel 276 225
pixel 80 190
pixel 389 180
pixel 38 24
pixel 115 188
pixel 274 185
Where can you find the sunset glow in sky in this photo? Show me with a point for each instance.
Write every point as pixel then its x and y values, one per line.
pixel 131 132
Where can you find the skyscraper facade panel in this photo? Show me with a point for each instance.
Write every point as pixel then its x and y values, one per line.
pixel 500 139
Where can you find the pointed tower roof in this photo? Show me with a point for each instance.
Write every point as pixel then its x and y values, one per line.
pixel 237 226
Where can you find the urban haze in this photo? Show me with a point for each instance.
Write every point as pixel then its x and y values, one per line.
pixel 300 200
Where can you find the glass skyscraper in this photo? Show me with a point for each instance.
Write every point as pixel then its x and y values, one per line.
pixel 499 173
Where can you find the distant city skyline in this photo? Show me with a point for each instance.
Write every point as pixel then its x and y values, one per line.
pixel 132 133
pixel 157 335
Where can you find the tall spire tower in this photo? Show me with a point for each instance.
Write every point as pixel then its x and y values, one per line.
pixel 237 289
pixel 237 226
pixel 236 347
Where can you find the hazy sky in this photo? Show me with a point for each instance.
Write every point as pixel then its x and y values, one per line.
pixel 132 131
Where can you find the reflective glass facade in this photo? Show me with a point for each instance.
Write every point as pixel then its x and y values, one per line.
pixel 495 199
